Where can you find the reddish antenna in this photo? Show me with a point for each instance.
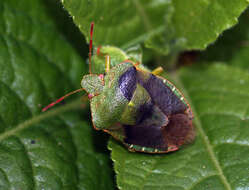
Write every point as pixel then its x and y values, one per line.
pixel 81 89
pixel 60 99
pixel 90 47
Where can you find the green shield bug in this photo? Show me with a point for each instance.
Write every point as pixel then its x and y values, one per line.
pixel 139 108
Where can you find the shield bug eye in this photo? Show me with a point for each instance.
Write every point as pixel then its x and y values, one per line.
pixel 141 109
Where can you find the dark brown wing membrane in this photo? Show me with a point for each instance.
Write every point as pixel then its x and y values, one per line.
pixel 179 130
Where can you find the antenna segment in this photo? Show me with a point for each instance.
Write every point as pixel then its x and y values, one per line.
pixel 90 47
pixel 81 89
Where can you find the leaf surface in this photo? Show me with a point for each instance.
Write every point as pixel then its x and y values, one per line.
pixel 201 22
pixel 163 25
pixel 120 23
pixel 38 65
pixel 218 158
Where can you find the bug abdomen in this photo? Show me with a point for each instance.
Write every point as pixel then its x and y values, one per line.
pixel 157 116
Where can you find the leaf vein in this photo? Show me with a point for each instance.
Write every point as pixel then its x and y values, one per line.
pixel 29 160
pixel 202 179
pixel 205 138
pixel 74 105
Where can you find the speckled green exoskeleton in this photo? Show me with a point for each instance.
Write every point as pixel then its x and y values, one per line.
pixel 139 108
pixel 144 111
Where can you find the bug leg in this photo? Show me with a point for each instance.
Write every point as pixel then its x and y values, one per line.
pixel 157 71
pixel 99 52
pixel 107 63
pixel 137 63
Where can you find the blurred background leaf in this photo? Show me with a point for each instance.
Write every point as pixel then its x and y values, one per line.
pixel 232 46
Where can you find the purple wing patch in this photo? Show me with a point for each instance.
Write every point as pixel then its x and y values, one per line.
pixel 163 96
pixel 128 82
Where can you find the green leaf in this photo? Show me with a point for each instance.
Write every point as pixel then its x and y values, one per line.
pixel 232 46
pixel 164 25
pixel 120 23
pixel 218 159
pixel 201 22
pixel 95 171
pixel 38 65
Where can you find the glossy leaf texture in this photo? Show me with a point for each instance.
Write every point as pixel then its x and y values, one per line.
pixel 218 159
pixel 38 65
pixel 120 23
pixel 169 25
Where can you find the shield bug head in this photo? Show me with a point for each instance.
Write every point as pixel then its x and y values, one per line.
pixel 144 111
